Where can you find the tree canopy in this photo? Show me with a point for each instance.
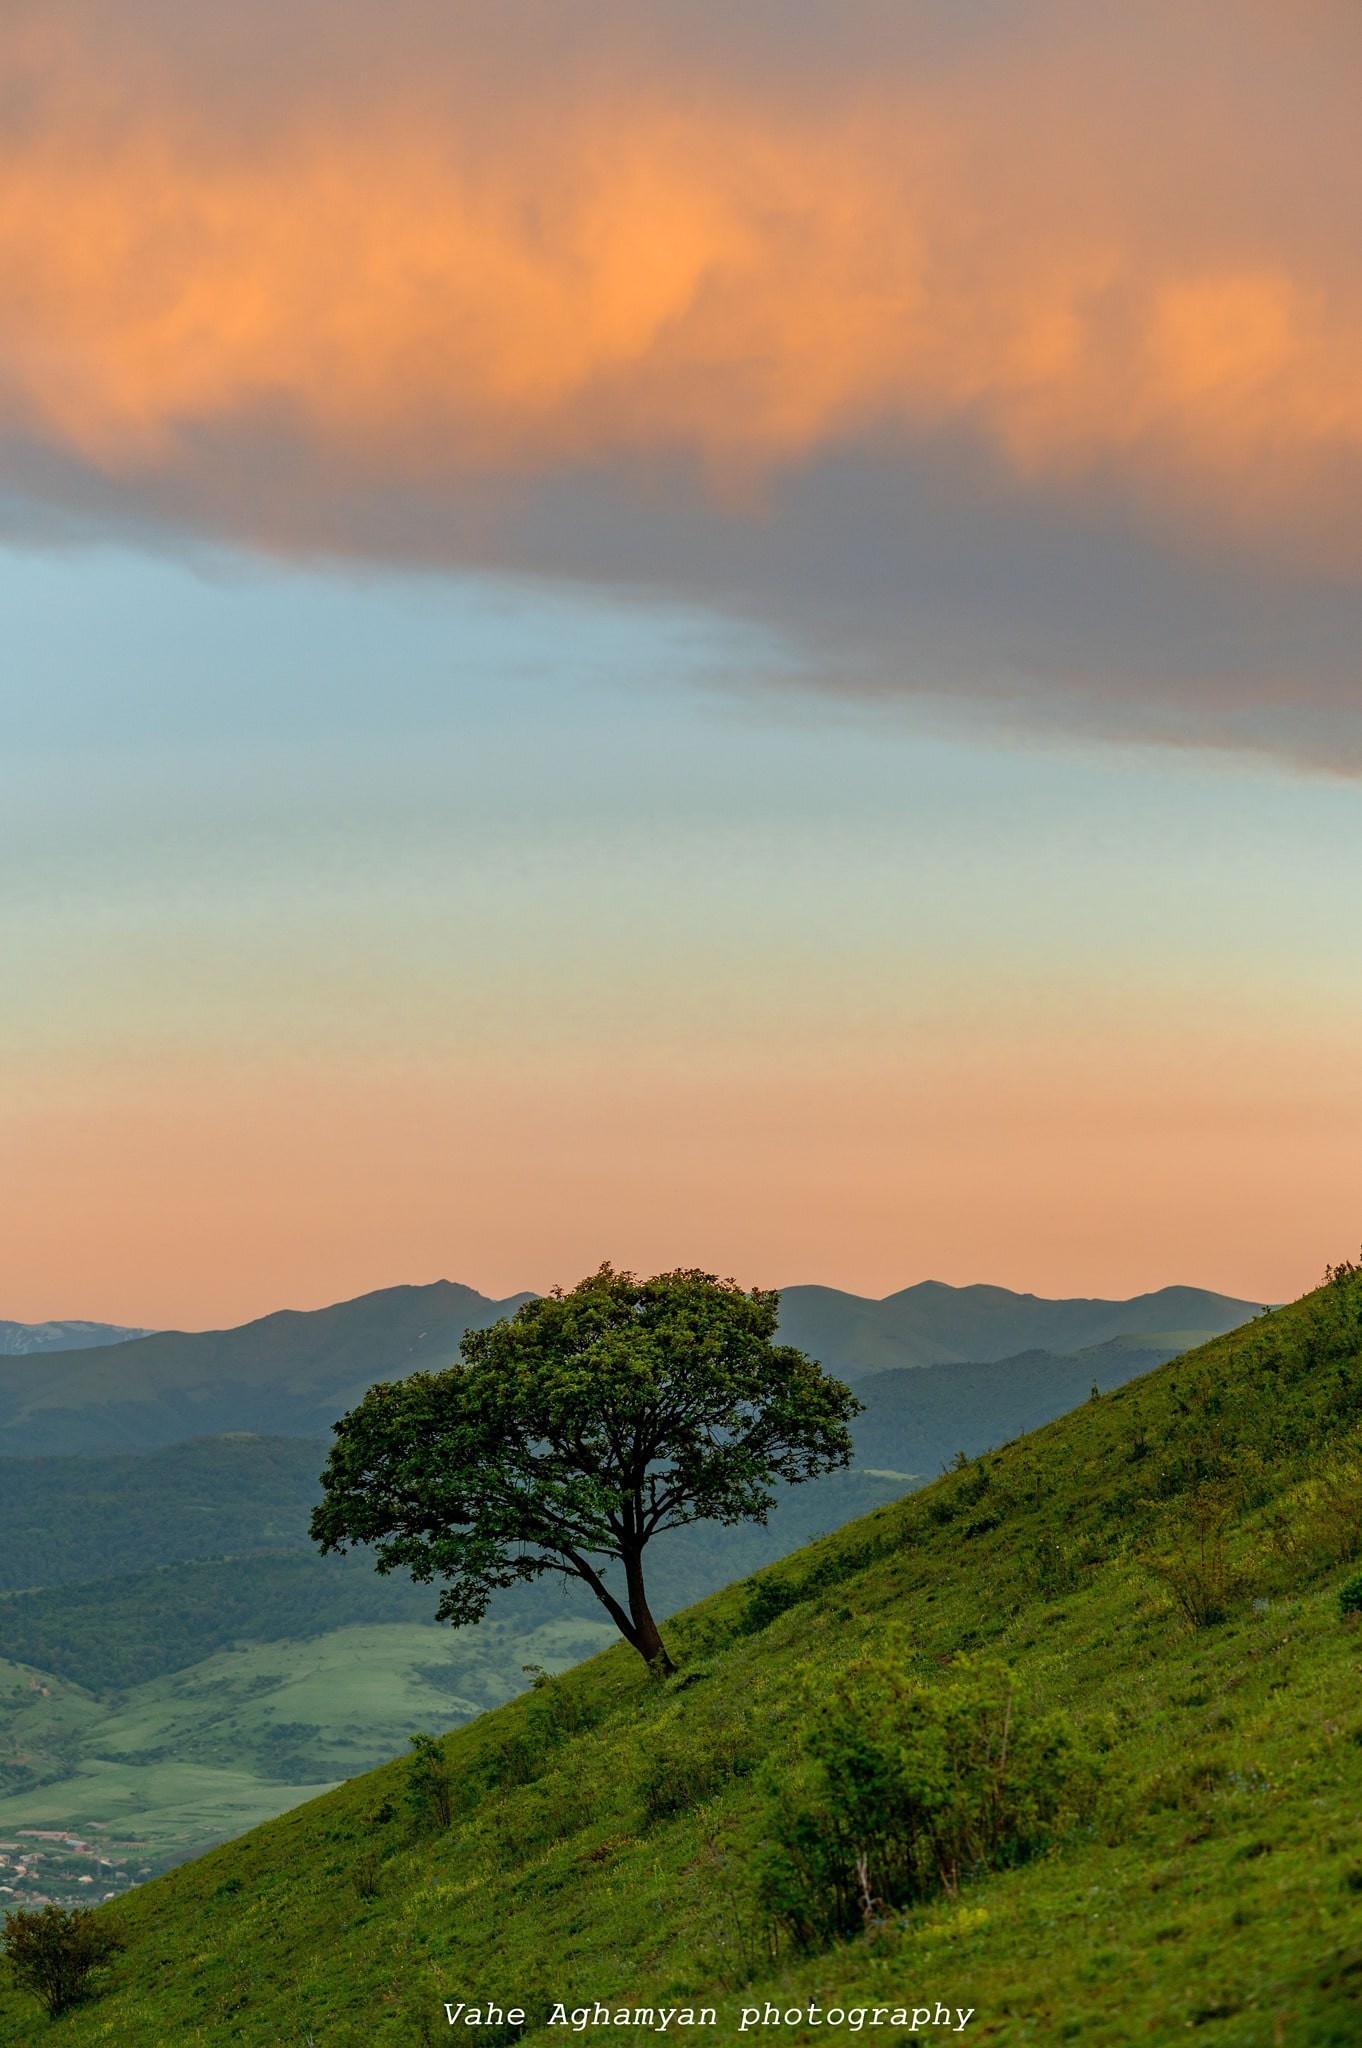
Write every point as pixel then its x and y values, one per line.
pixel 571 1433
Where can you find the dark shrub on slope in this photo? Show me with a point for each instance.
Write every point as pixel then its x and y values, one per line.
pixel 910 1789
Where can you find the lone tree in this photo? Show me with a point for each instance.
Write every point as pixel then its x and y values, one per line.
pixel 573 1432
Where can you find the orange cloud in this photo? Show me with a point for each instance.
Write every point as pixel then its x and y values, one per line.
pixel 1088 264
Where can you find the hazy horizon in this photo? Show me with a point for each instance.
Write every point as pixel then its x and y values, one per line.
pixel 488 1294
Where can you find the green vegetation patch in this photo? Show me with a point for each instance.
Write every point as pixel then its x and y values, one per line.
pixel 142 1625
pixel 70 1520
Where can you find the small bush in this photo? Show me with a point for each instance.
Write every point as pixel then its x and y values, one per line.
pixel 556 1711
pixel 1194 1562
pixel 514 1761
pixel 1052 1567
pixel 366 1873
pixel 693 1674
pixel 1350 1596
pixel 553 1809
pixel 909 1790
pixel 558 1708
pixel 690 1761
pixel 1185 1784
pixel 430 1783
pixel 1318 1524
pixel 54 1953
pixel 767 1599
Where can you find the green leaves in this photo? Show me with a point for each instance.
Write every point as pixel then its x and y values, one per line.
pixel 911 1788
pixel 575 1431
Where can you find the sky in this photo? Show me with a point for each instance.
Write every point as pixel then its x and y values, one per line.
pixel 677 634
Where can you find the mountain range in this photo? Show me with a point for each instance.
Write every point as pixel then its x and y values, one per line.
pixel 292 1373
pixel 19 1340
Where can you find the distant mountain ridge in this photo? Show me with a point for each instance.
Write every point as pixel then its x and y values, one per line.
pixel 21 1340
pixel 294 1372
pixel 287 1374
pixel 934 1324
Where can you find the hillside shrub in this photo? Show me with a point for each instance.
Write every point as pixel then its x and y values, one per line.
pixel 768 1598
pixel 1318 1524
pixel 1193 1560
pixel 1350 1596
pixel 556 1711
pixel 1184 1784
pixel 1052 1566
pixel 771 1594
pixel 54 1953
pixel 691 1760
pixel 430 1783
pixel 558 1708
pixel 513 1762
pixel 557 1806
pixel 910 1789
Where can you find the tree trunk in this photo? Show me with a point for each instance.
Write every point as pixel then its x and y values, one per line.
pixel 647 1637
pixel 603 1594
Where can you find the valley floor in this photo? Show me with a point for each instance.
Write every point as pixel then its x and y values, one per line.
pixel 168 1768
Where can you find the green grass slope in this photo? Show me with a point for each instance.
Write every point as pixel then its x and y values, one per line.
pixel 1163 1566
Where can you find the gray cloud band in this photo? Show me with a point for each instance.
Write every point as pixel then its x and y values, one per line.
pixel 918 575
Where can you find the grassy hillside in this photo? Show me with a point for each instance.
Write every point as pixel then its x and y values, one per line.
pixel 919 1418
pixel 1161 1568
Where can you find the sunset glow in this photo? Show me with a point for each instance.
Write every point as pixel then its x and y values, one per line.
pixel 683 639
pixel 742 277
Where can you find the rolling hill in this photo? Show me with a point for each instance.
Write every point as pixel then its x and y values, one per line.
pixel 919 1418
pixel 74 1519
pixel 294 1372
pixel 1150 1585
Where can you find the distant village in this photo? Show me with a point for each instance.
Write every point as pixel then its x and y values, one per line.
pixel 52 1867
